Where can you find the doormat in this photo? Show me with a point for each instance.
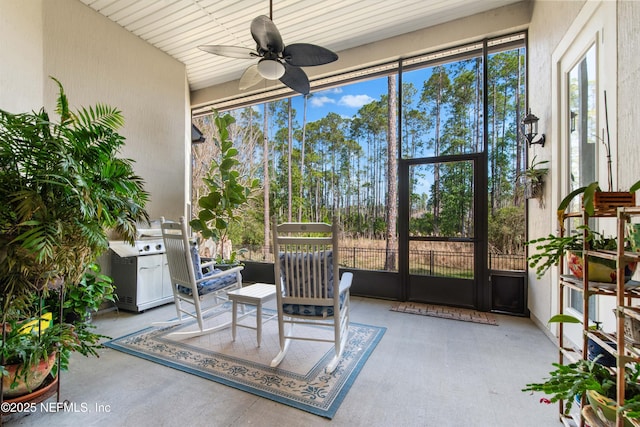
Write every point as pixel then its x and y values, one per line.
pixel 300 381
pixel 445 312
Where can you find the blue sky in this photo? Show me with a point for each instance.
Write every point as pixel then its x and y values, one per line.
pixel 344 100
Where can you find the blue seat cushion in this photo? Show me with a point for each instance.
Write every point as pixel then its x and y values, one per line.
pixel 318 259
pixel 311 310
pixel 197 262
pixel 206 286
pixel 313 259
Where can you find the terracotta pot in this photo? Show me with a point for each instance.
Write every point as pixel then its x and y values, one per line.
pixel 600 270
pixel 26 385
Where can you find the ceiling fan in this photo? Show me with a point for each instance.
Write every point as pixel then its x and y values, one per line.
pixel 277 61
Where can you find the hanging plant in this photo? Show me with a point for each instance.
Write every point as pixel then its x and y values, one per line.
pixel 533 180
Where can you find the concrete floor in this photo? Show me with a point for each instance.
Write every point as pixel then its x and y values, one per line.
pixel 426 371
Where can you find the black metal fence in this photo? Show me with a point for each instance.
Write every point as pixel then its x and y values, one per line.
pixel 423 262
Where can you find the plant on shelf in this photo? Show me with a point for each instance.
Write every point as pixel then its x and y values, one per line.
pixel 551 249
pixel 568 381
pixel 64 187
pixel 228 193
pixel 586 377
pixel 594 349
pixel 592 193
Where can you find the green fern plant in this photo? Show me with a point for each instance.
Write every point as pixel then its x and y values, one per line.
pixel 64 187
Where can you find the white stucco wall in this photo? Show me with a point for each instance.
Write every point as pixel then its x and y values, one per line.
pixel 98 61
pixel 21 41
pixel 628 93
pixel 549 23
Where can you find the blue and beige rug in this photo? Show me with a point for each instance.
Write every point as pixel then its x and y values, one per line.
pixel 300 380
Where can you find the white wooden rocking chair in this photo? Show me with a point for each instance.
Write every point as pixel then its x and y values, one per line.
pixel 198 285
pixel 306 272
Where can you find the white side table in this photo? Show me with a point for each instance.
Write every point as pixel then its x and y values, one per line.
pixel 255 294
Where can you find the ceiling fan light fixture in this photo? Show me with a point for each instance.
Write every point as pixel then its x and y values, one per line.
pixel 270 69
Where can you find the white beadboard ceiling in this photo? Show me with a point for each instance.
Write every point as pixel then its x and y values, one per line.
pixel 178 27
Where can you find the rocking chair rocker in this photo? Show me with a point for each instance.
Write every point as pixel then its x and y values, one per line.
pixel 193 283
pixel 308 290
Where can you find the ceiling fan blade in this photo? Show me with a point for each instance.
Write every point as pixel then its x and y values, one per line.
pixel 296 79
pixel 229 51
pixel 266 34
pixel 305 55
pixel 250 77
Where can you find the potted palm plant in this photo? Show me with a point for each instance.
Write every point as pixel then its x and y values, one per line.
pixel 64 187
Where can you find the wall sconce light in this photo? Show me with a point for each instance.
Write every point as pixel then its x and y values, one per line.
pixel 573 121
pixel 530 129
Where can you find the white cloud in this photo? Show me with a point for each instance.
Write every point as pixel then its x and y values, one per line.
pixel 332 91
pixel 355 101
pixel 319 101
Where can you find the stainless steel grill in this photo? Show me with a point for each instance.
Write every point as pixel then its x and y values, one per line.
pixel 140 271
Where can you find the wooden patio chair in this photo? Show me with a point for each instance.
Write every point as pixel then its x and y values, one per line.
pixel 308 288
pixel 199 285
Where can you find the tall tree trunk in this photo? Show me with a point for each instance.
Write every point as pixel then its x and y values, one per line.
pixel 358 197
pixel 289 179
pixel 494 148
pixel 478 137
pixel 519 151
pixel 265 167
pixel 304 135
pixel 503 138
pixel 392 177
pixel 436 152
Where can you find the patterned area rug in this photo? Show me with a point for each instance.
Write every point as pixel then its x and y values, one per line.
pixel 445 312
pixel 300 380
